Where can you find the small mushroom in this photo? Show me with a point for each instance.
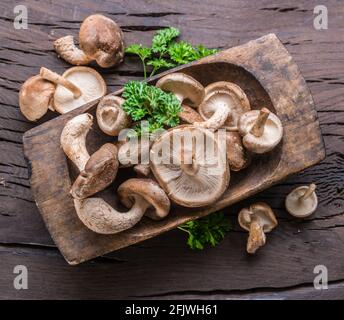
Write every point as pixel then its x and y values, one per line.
pixel 73 139
pixel 258 219
pixel 140 195
pixel 223 104
pixel 261 130
pixel 189 115
pixel 193 172
pixel 237 156
pixel 77 86
pixel 110 115
pixel 302 201
pixel 35 97
pixel 100 39
pixel 184 87
pixel 158 202
pixel 99 172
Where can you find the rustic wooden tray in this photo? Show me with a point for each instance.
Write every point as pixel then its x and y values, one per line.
pixel 266 72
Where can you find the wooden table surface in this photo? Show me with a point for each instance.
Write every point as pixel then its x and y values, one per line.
pixel 164 267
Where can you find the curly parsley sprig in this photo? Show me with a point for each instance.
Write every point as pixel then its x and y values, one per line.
pixel 210 229
pixel 146 102
pixel 166 52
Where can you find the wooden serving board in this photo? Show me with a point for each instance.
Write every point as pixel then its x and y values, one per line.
pixel 266 72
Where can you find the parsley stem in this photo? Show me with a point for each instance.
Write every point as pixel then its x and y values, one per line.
pixel 153 72
pixel 181 228
pixel 144 68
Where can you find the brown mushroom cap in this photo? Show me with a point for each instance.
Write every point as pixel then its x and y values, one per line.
pixel 102 39
pixel 110 115
pixel 189 115
pixel 302 201
pixel 223 104
pixel 100 171
pixel 261 130
pixel 183 86
pixel 150 191
pixel 258 219
pixel 237 157
pixel 88 80
pixel 192 174
pixel 35 97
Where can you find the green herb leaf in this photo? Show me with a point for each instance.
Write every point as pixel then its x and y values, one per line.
pixel 164 49
pixel 210 229
pixel 143 101
pixel 182 52
pixel 138 49
pixel 163 38
pixel 201 52
pixel 160 63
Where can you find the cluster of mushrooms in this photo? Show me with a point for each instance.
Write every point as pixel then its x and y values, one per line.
pixel 220 105
pixel 100 41
pixel 158 185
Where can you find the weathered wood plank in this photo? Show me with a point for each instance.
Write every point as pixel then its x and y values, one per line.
pixel 147 271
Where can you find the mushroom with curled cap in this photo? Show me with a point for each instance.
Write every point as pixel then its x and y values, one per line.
pixel 100 39
pixel 302 201
pixel 111 117
pixel 237 156
pixel 35 97
pixel 77 86
pixel 99 172
pixel 258 219
pixel 96 171
pixel 223 104
pixel 190 165
pixel 141 196
pixel 184 87
pixel 261 130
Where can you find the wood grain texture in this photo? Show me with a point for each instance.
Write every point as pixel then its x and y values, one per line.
pixel 222 24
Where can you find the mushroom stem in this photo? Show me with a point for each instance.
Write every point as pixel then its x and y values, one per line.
pixel 308 192
pixel 73 139
pixel 258 127
pixel 67 50
pixel 189 168
pixel 57 79
pixel 91 210
pixel 217 120
pixel 256 238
